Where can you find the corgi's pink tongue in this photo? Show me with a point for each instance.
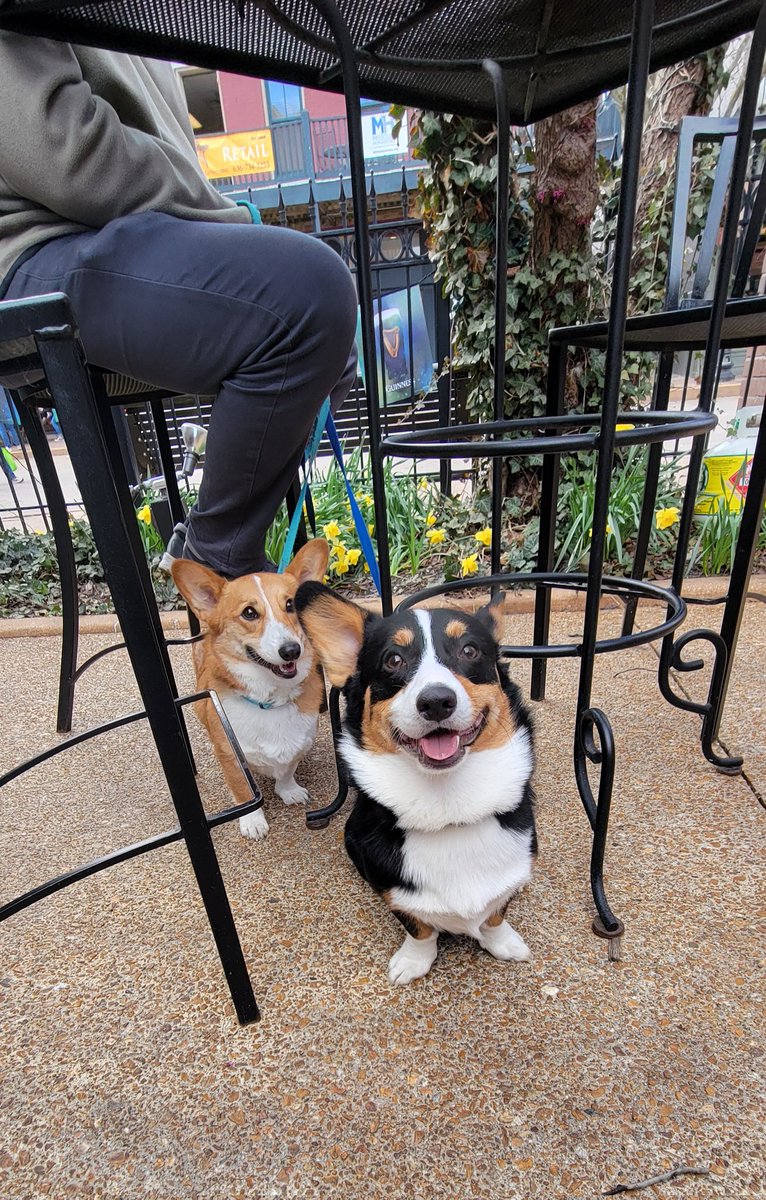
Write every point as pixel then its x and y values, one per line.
pixel 440 745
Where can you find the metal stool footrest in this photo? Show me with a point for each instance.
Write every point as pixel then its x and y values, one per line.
pixel 133 851
pixel 490 439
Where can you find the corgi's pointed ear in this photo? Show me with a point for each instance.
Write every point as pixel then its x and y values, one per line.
pixel 491 614
pixel 335 628
pixel 200 587
pixel 310 562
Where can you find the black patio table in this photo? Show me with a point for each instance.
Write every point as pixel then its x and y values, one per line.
pixel 514 61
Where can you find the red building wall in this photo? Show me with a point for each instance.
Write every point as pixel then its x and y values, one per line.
pixel 241 102
pixel 323 104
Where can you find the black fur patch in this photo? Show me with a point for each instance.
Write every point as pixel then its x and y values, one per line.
pixel 374 843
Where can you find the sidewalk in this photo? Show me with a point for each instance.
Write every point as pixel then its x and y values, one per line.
pixel 126 1075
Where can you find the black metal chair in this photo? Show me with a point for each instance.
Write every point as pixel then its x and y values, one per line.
pixel 115 392
pixel 38 344
pixel 684 326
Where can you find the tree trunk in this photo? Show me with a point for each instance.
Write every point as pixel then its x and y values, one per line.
pixel 566 189
pixel 566 195
pixel 684 90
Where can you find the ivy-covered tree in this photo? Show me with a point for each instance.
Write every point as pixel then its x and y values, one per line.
pixel 551 280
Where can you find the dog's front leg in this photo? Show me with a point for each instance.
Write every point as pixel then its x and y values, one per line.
pixel 417 953
pixel 252 825
pixel 287 787
pixel 502 942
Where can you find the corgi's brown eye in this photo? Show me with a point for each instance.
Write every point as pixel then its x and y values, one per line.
pixel 249 613
pixel 289 606
pixel 393 662
pixel 470 651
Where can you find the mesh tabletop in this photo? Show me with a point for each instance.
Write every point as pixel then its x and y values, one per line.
pixel 422 52
pixel 744 324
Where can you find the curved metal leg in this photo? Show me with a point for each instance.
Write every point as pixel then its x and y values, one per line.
pixel 41 451
pixel 587 749
pixel 319 818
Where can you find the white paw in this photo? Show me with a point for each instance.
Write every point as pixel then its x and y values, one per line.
pixel 412 960
pixel 254 825
pixel 503 942
pixel 292 792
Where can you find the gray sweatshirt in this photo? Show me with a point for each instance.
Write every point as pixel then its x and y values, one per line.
pixel 89 135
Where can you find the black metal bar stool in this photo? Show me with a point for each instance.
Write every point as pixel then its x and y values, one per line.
pixel 113 391
pixel 39 335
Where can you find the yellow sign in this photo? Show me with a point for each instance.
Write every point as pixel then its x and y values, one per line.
pixel 236 154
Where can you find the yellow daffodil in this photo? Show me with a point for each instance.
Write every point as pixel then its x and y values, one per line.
pixel 365 498
pixel 341 567
pixel 666 517
pixel 145 514
pixel 352 558
pixel 366 569
pixel 331 529
pixel 423 485
pixel 608 531
pixel 339 550
pixel 435 536
pixel 430 520
pixel 469 565
pixel 484 536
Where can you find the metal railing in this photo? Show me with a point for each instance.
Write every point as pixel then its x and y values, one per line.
pixel 307 147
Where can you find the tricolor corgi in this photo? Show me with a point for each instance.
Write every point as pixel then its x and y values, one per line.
pixel 439 747
pixel 256 656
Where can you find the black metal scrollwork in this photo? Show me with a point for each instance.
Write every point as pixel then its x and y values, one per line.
pixel 592 722
pixel 671 658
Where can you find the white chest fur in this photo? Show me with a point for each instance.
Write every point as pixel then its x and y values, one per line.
pixel 464 871
pixel 271 738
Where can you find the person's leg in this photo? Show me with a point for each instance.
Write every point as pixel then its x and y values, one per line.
pixel 262 317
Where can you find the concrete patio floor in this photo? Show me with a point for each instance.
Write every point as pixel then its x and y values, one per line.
pixel 125 1074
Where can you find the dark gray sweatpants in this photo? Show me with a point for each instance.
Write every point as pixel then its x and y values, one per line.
pixel 261 317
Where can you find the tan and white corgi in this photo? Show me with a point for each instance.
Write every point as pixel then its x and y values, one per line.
pixel 258 659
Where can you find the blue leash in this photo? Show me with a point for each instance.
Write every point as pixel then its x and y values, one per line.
pixel 325 421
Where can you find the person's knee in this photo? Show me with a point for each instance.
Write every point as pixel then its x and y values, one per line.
pixel 330 291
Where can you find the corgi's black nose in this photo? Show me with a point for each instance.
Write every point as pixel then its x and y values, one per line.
pixel 289 651
pixel 437 702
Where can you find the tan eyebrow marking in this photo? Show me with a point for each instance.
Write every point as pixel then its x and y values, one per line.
pixel 456 629
pixel 404 637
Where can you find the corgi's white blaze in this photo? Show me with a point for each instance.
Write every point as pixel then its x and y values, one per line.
pixel 482 783
pixel 275 632
pixel 404 712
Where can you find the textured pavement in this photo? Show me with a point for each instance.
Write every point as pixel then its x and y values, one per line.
pixel 124 1072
